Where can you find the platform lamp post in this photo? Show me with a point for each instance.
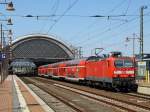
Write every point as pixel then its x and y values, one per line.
pixel 1 45
pixel 9 5
pixel 6 51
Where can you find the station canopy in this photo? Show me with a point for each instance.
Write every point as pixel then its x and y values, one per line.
pixel 22 63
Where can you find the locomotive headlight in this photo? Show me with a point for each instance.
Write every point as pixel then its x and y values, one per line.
pixel 129 72
pixel 118 72
pixel 123 72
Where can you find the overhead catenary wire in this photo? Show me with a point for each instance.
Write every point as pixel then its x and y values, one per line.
pixel 126 11
pixel 134 26
pixel 75 15
pixel 117 6
pixel 109 17
pixel 115 18
pixel 119 43
pixel 107 30
pixel 54 8
pixel 103 32
pixel 70 7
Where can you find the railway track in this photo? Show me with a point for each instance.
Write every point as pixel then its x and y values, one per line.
pixel 123 105
pixel 135 95
pixel 143 96
pixel 46 89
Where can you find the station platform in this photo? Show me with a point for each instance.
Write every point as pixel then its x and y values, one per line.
pixel 144 88
pixel 15 96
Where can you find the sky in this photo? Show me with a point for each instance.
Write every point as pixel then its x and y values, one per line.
pixel 76 23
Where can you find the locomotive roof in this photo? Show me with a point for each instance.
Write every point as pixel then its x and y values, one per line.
pixel 96 58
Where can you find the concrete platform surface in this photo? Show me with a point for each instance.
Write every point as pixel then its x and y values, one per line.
pixel 15 96
pixel 6 96
pixel 144 88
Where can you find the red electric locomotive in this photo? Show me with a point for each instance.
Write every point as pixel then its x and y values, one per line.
pixel 113 71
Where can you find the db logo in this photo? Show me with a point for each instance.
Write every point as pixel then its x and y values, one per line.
pixel 3 56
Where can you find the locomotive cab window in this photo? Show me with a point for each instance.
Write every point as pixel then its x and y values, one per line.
pixel 119 63
pixel 123 63
pixel 128 63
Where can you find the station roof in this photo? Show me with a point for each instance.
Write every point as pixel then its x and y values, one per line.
pixel 41 48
